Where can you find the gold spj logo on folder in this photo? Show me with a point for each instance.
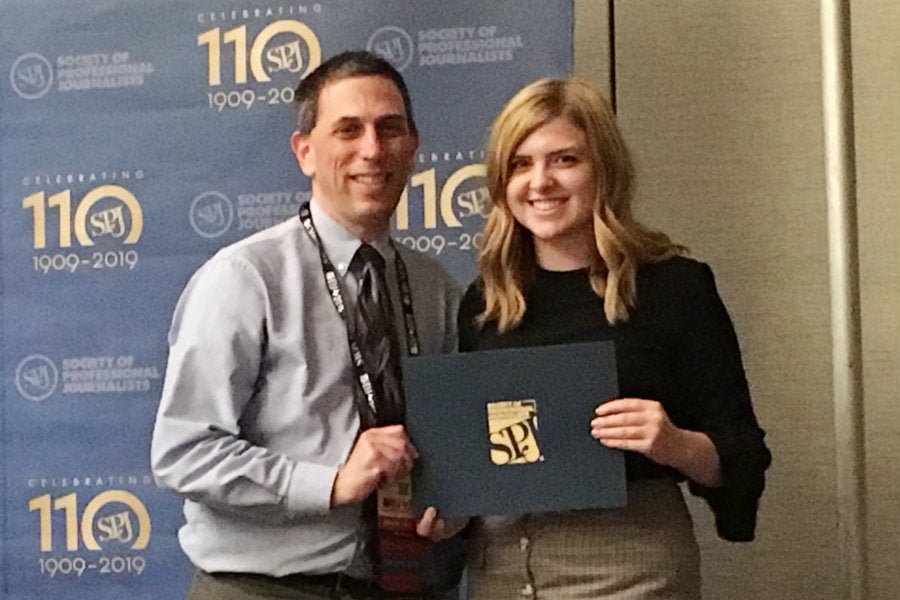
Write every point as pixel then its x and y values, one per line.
pixel 512 431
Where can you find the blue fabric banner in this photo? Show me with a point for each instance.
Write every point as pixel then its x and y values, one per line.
pixel 137 138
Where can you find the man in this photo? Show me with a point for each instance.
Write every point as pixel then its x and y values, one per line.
pixel 263 425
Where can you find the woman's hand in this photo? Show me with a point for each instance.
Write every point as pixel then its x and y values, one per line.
pixel 643 426
pixel 637 425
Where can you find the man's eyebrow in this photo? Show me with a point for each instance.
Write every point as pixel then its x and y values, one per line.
pixel 346 121
pixel 391 118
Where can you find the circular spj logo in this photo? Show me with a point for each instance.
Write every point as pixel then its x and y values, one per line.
pixel 393 45
pixel 211 214
pixel 31 76
pixel 36 377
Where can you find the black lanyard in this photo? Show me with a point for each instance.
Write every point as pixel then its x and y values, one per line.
pixel 337 298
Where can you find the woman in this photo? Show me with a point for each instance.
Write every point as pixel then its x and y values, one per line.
pixel 564 261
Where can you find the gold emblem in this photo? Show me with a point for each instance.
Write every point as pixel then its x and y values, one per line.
pixel 512 431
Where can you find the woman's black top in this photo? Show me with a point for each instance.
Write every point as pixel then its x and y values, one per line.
pixel 678 347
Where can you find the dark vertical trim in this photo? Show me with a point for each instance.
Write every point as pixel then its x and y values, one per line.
pixel 612 53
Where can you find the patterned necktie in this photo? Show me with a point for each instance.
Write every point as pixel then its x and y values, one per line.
pixel 374 331
pixel 399 550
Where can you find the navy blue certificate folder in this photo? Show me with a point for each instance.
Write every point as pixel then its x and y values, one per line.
pixel 505 432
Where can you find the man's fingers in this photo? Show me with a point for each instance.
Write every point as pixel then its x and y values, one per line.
pixel 377 457
pixel 426 525
pixel 436 529
pixel 388 443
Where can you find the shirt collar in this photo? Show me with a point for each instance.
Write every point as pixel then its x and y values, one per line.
pixel 339 244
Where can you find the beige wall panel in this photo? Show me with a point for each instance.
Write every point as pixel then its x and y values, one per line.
pixel 876 60
pixel 592 41
pixel 721 103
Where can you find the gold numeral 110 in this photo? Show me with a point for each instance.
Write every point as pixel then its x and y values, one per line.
pixel 39 203
pixel 214 39
pixel 430 202
pixel 45 505
pixel 61 201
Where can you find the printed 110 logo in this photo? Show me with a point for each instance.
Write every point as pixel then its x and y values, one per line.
pixel 87 223
pixel 249 56
pixel 471 202
pixel 116 527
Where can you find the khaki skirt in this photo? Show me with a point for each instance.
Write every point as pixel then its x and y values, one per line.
pixel 646 550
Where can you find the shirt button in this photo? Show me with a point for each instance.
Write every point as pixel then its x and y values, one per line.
pixel 524 543
pixel 527 591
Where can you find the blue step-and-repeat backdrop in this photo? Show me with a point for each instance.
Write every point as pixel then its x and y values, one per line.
pixel 136 138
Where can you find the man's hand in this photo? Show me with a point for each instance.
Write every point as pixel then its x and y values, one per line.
pixel 379 455
pixel 436 529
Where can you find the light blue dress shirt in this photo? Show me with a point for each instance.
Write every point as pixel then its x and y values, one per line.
pixel 257 410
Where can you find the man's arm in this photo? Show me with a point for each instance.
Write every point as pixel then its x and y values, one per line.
pixel 216 347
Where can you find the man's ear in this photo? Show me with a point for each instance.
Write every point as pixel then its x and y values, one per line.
pixel 415 142
pixel 304 152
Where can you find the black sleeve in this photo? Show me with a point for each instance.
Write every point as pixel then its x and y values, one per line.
pixel 719 405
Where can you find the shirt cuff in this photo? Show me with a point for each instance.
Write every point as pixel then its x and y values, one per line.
pixel 309 489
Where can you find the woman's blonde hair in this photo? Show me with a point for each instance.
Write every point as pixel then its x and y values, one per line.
pixel 507 259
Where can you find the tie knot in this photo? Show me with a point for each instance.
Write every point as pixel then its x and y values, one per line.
pixel 367 255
